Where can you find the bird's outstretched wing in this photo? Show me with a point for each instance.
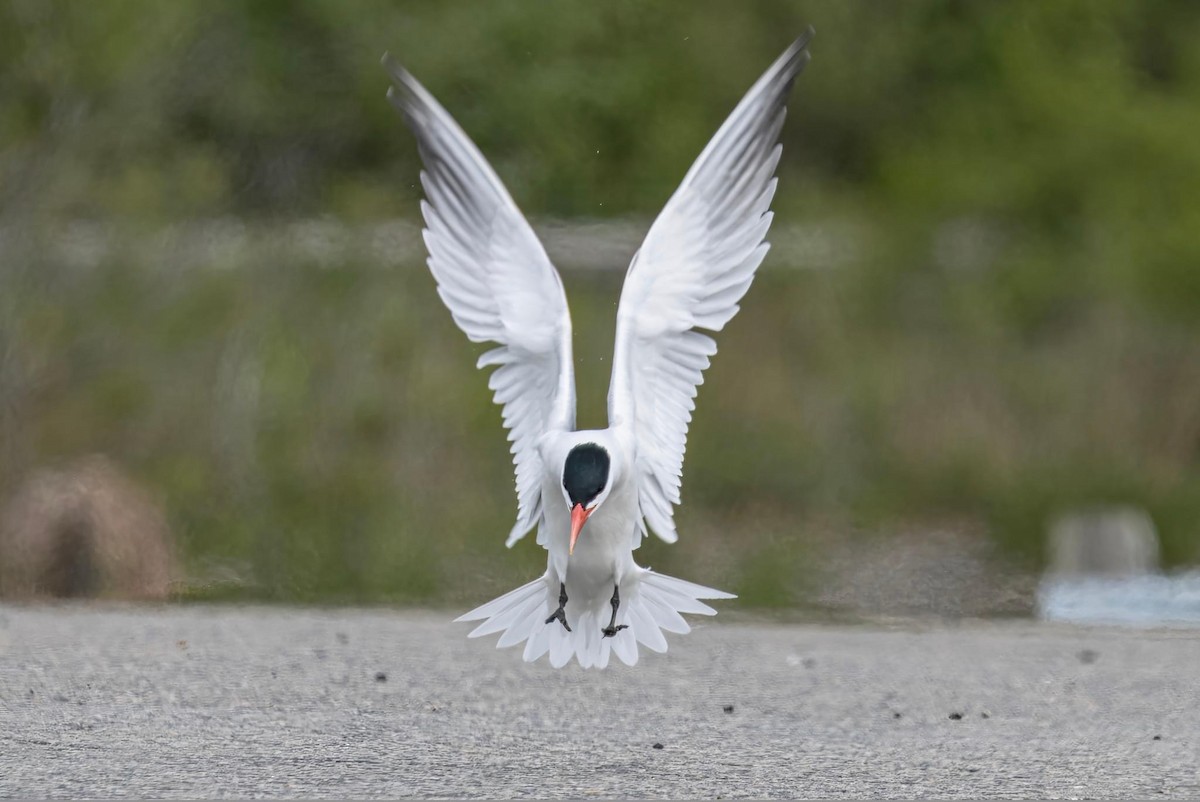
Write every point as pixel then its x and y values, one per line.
pixel 494 276
pixel 696 263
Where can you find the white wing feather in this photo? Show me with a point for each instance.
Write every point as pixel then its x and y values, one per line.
pixel 696 263
pixel 494 276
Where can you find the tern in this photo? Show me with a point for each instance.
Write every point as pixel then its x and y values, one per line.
pixel 593 495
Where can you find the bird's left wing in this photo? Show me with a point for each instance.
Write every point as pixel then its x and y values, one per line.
pixel 696 263
pixel 494 276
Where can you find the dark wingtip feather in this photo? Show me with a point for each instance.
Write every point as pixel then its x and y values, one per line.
pixel 405 93
pixel 800 55
pixel 397 72
pixel 795 58
pixel 806 37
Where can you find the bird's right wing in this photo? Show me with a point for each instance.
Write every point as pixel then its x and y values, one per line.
pixel 494 276
pixel 695 265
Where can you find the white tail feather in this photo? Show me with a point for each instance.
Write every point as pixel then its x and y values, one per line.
pixel 650 604
pixel 504 602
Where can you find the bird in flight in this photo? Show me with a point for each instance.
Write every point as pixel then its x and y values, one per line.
pixel 593 495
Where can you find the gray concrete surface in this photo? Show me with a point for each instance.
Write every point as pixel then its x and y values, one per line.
pixel 222 701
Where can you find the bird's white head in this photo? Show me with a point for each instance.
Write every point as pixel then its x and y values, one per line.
pixel 586 481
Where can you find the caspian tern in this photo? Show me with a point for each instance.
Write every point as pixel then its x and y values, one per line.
pixel 593 495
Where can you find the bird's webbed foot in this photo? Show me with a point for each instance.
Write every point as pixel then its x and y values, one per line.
pixel 560 615
pixel 613 628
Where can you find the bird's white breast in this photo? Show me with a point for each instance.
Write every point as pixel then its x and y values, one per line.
pixel 604 551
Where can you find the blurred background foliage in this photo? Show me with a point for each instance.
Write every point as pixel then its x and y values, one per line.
pixel 1012 328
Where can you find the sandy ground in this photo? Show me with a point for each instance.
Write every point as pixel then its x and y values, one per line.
pixel 223 701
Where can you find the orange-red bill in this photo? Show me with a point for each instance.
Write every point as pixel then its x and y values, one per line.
pixel 579 517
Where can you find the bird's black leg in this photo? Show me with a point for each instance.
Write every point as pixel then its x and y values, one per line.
pixel 560 614
pixel 612 629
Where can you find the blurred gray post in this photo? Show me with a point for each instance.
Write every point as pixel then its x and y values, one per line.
pixel 1105 541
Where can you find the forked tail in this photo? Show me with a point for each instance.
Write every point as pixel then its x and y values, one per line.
pixel 650 605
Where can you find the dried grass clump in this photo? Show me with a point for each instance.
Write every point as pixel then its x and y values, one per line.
pixel 84 531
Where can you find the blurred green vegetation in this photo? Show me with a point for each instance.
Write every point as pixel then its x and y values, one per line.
pixel 1015 334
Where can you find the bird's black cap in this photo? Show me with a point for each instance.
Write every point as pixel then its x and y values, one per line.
pixel 585 472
